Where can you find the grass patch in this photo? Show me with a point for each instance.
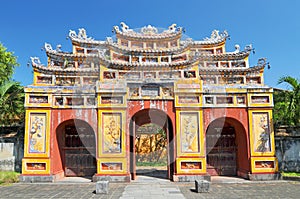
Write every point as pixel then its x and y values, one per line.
pixel 8 177
pixel 291 174
pixel 152 164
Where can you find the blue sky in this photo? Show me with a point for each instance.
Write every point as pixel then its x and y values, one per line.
pixel 272 27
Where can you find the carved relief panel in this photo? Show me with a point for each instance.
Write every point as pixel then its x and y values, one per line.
pixel 189 132
pixel 37 133
pixel 111 133
pixel 261 132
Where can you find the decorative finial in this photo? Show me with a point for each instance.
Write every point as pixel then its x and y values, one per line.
pixel 48 47
pixel 172 28
pixel 35 60
pixel 237 48
pixel 124 27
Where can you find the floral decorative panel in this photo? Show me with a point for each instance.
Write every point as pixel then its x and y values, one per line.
pixel 112 133
pixel 37 134
pixel 261 132
pixel 189 132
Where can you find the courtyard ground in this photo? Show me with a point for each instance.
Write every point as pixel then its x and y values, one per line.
pixel 147 187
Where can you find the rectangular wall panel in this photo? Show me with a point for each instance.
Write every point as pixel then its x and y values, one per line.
pixel 261 132
pixel 112 133
pixel 189 132
pixel 37 133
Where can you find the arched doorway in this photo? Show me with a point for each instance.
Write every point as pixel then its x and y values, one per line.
pixel 225 144
pixel 77 145
pixel 158 142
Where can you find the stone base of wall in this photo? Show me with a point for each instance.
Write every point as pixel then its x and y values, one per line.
pixel 292 178
pixel 190 178
pixel 39 178
pixel 265 176
pixel 7 164
pixel 97 178
pixel 243 174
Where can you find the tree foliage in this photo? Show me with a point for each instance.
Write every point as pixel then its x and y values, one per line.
pixel 11 92
pixel 286 108
pixel 8 62
pixel 11 103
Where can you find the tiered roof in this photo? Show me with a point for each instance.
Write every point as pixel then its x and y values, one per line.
pixel 192 49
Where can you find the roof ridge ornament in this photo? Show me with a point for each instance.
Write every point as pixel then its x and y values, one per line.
pixel 215 35
pixel 81 35
pixel 125 28
pixel 149 30
pixel 173 27
pixel 237 48
pixel 250 48
pixel 35 60
pixel 48 47
pixel 262 61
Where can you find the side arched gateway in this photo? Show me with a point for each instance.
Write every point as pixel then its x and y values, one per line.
pixel 77 147
pixel 226 147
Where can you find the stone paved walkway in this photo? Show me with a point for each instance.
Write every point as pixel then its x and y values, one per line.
pixel 154 188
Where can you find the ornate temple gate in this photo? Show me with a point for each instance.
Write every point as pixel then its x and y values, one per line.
pixel 79 151
pixel 112 85
pixel 221 148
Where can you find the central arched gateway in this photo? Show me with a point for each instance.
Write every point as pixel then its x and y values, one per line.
pixel 161 119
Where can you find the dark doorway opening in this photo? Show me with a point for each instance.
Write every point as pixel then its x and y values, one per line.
pixel 78 149
pixel 221 148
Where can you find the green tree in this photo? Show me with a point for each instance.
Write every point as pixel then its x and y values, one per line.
pixel 287 109
pixel 11 103
pixel 8 62
pixel 11 92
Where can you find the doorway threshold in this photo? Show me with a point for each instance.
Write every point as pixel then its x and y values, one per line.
pixel 75 180
pixel 150 179
pixel 228 179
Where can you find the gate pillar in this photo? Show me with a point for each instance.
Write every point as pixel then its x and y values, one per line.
pixel 190 145
pixel 112 151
